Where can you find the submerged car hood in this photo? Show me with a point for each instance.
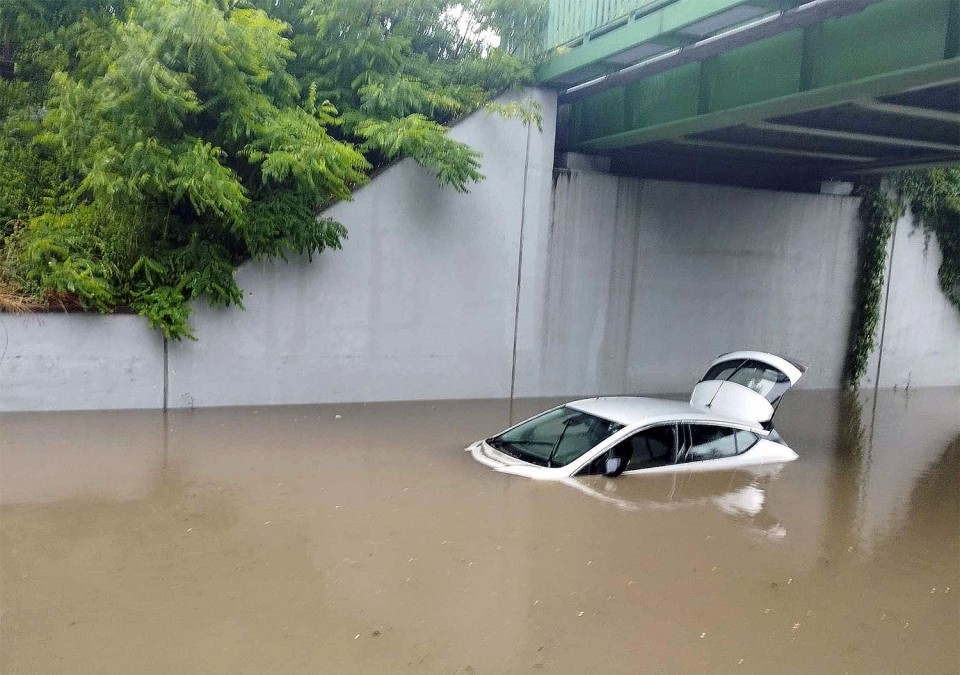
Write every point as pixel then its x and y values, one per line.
pixel 524 470
pixel 498 461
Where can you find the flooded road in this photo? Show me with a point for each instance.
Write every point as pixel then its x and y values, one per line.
pixel 360 538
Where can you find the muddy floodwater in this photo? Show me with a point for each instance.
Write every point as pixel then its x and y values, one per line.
pixel 361 538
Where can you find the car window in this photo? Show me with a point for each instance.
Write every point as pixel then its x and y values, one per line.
pixel 556 437
pixel 755 375
pixel 722 371
pixel 656 446
pixel 745 440
pixel 582 435
pixel 708 441
pixel 653 447
pixel 761 378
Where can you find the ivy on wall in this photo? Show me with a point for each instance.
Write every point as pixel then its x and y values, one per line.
pixel 934 198
pixel 879 211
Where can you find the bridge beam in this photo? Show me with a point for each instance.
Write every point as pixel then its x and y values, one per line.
pixel 780 152
pixel 883 139
pixel 868 87
pixel 656 20
pixel 910 111
pixel 832 93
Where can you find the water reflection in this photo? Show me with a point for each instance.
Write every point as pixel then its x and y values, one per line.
pixel 739 494
pixel 886 442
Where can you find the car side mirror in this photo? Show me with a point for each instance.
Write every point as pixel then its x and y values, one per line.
pixel 613 466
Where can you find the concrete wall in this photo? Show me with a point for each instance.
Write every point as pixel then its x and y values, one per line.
pixel 419 304
pixel 644 282
pixel 921 334
pixel 79 362
pixel 626 286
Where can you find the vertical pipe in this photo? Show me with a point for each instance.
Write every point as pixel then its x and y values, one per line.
pixel 166 373
pixel 516 308
pixel 886 302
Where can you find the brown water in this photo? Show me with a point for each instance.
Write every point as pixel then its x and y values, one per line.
pixel 290 540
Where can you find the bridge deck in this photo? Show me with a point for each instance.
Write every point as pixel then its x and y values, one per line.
pixel 876 89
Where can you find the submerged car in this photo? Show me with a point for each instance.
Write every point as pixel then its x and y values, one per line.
pixel 728 423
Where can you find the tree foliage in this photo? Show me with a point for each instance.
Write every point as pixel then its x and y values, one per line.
pixel 150 146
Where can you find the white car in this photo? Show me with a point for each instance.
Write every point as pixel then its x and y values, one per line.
pixel 727 424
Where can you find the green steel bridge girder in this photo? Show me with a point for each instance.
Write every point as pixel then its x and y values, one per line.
pixel 657 25
pixel 892 46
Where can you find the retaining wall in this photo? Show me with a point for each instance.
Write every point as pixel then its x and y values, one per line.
pixel 625 286
pixel 641 283
pixel 419 304
pixel 920 329
pixel 54 361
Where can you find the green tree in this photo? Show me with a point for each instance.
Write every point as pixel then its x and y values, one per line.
pixel 400 70
pixel 149 147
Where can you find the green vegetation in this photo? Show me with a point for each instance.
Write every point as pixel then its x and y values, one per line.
pixel 934 197
pixel 879 211
pixel 148 147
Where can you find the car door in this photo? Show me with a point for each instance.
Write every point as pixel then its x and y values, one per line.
pixel 648 449
pixel 746 385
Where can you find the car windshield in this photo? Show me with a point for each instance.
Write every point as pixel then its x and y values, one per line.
pixel 555 438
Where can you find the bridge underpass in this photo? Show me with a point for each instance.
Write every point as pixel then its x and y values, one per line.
pixel 535 284
pixel 768 94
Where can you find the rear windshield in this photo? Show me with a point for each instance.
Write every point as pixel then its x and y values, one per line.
pixel 555 438
pixel 761 378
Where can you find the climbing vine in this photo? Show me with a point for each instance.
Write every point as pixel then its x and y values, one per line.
pixel 934 198
pixel 878 212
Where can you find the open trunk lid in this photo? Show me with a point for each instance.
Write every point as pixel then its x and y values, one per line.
pixel 746 385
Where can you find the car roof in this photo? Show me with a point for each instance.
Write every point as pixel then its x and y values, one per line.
pixel 634 410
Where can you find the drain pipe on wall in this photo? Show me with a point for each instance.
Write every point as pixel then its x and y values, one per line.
pixel 516 308
pixel 886 303
pixel 166 373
